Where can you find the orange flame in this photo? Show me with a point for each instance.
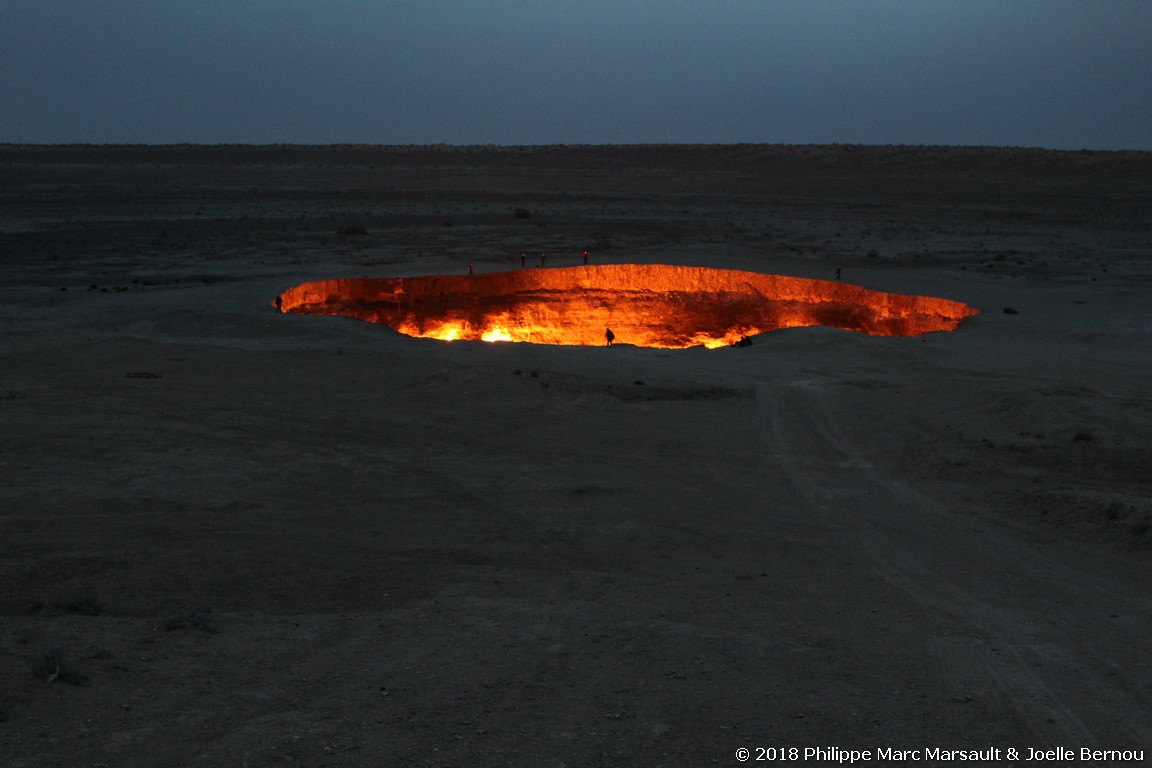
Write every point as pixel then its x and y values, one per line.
pixel 648 305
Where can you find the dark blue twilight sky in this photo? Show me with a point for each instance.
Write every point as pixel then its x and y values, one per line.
pixel 1065 74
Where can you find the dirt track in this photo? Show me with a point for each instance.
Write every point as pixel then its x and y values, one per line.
pixel 313 541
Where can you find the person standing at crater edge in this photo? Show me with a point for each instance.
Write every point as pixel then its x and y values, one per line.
pixel 609 336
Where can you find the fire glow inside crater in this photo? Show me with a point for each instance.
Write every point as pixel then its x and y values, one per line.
pixel 648 305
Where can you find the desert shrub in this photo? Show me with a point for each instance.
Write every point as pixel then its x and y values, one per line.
pixel 1140 526
pixel 196 620
pixel 83 604
pixel 352 229
pixel 522 213
pixel 53 664
pixel 1082 437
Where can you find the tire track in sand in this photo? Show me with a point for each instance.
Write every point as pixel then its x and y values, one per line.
pixel 1003 625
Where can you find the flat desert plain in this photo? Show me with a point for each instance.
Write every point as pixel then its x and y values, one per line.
pixel 234 537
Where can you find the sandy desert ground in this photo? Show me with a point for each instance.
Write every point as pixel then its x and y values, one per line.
pixel 241 538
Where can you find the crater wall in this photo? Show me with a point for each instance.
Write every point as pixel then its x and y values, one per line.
pixel 650 305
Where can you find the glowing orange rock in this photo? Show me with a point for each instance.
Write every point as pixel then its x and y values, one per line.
pixel 649 305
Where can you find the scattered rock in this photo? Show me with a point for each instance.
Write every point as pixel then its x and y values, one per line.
pixel 53 665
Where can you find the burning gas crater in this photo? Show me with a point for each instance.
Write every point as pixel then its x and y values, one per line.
pixel 648 305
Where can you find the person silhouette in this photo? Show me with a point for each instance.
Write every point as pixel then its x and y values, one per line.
pixel 609 336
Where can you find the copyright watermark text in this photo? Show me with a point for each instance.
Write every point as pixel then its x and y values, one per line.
pixel 887 754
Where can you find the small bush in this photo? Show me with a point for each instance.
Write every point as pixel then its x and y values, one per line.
pixel 1141 526
pixel 352 229
pixel 53 665
pixel 522 213
pixel 82 604
pixel 196 620
pixel 1082 437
